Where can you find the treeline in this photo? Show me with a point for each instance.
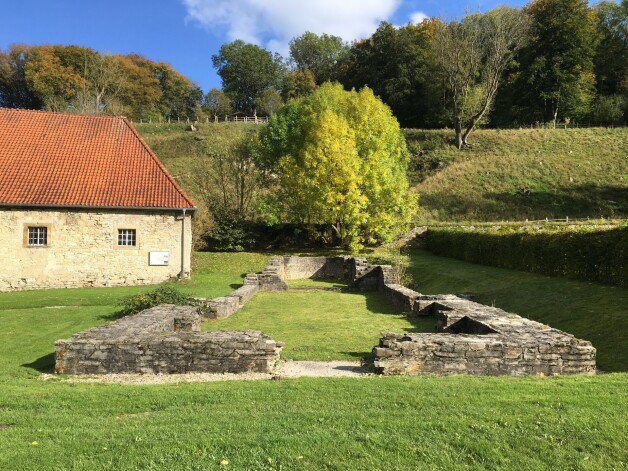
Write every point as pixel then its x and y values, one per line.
pixel 551 61
pixel 548 62
pixel 81 80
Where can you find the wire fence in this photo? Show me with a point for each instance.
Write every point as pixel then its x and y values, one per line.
pixel 613 220
pixel 539 125
pixel 568 219
pixel 264 120
pixel 215 119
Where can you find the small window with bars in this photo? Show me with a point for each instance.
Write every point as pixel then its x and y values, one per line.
pixel 37 236
pixel 127 238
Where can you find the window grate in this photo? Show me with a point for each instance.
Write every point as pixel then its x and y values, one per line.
pixel 126 237
pixel 38 236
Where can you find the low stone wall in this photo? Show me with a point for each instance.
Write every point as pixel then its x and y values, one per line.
pixel 224 306
pixel 472 339
pixel 336 268
pixel 165 339
pixel 481 340
pixel 272 277
pixel 401 297
pixel 278 270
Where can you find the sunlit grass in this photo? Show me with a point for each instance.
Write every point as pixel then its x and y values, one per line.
pixel 322 325
pixel 526 174
pixel 391 423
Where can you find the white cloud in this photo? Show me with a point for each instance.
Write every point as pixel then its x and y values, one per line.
pixel 417 17
pixel 272 23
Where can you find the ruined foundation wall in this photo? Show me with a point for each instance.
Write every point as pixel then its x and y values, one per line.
pixel 492 354
pixel 165 339
pixel 479 340
pixel 278 270
pixel 472 339
pixel 337 268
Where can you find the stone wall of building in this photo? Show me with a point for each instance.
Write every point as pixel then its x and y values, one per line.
pixel 165 339
pixel 82 248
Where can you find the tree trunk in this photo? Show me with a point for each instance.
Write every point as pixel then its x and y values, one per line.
pixel 478 116
pixel 458 129
pixel 555 111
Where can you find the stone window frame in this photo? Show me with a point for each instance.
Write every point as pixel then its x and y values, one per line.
pixel 32 225
pixel 116 237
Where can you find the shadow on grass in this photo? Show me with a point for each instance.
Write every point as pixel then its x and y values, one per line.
pixel 358 355
pixel 424 325
pixel 377 302
pixel 367 360
pixel 45 364
pixel 573 201
pixel 114 316
pixel 577 201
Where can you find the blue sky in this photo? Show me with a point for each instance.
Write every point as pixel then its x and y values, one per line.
pixel 185 33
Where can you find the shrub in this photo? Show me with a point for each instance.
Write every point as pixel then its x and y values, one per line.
pixel 163 294
pixel 229 233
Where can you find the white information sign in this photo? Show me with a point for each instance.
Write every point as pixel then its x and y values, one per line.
pixel 158 258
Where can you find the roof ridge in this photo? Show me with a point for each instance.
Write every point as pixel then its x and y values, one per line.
pixel 159 164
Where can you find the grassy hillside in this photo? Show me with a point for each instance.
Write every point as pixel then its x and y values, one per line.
pixel 180 149
pixel 505 175
pixel 521 174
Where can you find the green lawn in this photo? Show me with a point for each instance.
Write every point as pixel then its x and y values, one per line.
pixel 384 423
pixel 322 325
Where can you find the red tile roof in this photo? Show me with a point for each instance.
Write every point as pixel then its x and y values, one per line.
pixel 57 159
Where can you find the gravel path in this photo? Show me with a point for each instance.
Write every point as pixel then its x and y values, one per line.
pixel 287 369
pixel 296 369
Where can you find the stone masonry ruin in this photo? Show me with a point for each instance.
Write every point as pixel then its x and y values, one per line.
pixel 480 340
pixel 471 338
pixel 165 339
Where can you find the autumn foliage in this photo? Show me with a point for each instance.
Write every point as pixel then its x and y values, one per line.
pixel 79 79
pixel 341 160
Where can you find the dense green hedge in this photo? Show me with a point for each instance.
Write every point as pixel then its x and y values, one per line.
pixel 579 253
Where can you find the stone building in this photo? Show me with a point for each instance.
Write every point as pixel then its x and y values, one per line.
pixel 85 202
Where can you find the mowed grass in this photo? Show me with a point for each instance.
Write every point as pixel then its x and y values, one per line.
pixel 322 325
pixel 524 174
pixel 391 423
pixel 32 320
pixel 385 423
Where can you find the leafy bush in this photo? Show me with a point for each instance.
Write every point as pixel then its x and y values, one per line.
pixel 229 233
pixel 163 294
pixel 583 253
